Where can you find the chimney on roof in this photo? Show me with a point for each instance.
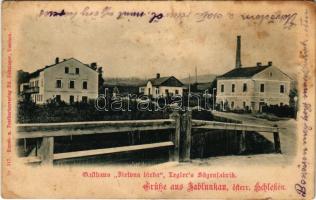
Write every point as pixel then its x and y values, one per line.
pixel 93 65
pixel 259 64
pixel 238 59
pixel 56 60
pixel 157 75
pixel 270 63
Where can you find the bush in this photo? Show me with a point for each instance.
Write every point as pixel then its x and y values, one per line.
pixel 53 111
pixel 279 111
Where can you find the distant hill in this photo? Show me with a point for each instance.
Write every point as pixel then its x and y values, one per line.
pixel 205 78
pixel 133 81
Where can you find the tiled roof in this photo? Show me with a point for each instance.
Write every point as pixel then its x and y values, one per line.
pixel 159 81
pixel 244 72
pixel 165 81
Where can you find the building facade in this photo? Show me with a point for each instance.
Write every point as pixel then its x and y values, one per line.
pixel 250 88
pixel 69 81
pixel 162 87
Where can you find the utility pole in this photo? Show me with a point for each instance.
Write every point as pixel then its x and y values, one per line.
pixel 196 75
pixel 189 92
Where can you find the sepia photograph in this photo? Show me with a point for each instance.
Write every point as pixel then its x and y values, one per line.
pixel 166 99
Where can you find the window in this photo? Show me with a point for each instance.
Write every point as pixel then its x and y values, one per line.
pixel 244 104
pixel 282 89
pixel 270 74
pixel 157 90
pixel 84 85
pixel 58 83
pixel 244 88
pixel 36 83
pixel 167 91
pixel 84 99
pixel 262 87
pixel 72 84
pixel 71 99
pixel 148 91
pixel 66 70
pixel 77 70
pixel 233 87
pixel 177 91
pixel 232 104
pixel 58 98
pixel 222 88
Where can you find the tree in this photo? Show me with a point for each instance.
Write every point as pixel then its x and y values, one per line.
pixel 100 80
pixel 292 94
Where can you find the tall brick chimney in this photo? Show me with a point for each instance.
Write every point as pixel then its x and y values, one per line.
pixel 56 60
pixel 157 75
pixel 238 59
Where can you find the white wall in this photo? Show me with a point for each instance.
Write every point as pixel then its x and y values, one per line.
pixel 162 90
pixel 272 78
pixel 57 72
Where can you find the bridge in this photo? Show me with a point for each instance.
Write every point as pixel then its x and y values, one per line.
pixel 180 124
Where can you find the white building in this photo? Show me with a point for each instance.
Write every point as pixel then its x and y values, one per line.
pixel 162 87
pixel 250 88
pixel 70 81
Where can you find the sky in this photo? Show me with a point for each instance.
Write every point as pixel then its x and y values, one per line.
pixel 132 47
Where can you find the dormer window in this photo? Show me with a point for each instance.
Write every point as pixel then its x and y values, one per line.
pixel 66 70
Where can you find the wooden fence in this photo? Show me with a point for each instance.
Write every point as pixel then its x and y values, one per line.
pixel 181 125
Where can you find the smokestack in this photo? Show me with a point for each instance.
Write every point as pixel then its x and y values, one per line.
pixel 157 75
pixel 56 60
pixel 238 60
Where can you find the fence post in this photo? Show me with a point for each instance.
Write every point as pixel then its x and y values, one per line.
pixel 187 137
pixel 175 138
pixel 47 151
pixel 277 143
pixel 242 142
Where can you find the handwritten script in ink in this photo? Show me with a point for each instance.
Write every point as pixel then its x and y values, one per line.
pixel 287 20
pixel 306 111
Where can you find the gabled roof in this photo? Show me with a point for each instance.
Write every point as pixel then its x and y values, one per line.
pixel 166 81
pixel 159 81
pixel 37 72
pixel 244 72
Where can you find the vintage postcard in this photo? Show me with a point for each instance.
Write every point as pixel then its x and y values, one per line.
pixel 161 99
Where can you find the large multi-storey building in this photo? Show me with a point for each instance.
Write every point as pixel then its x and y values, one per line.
pixel 250 88
pixel 69 81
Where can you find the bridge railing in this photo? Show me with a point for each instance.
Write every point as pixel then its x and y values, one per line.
pixel 48 131
pixel 181 125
